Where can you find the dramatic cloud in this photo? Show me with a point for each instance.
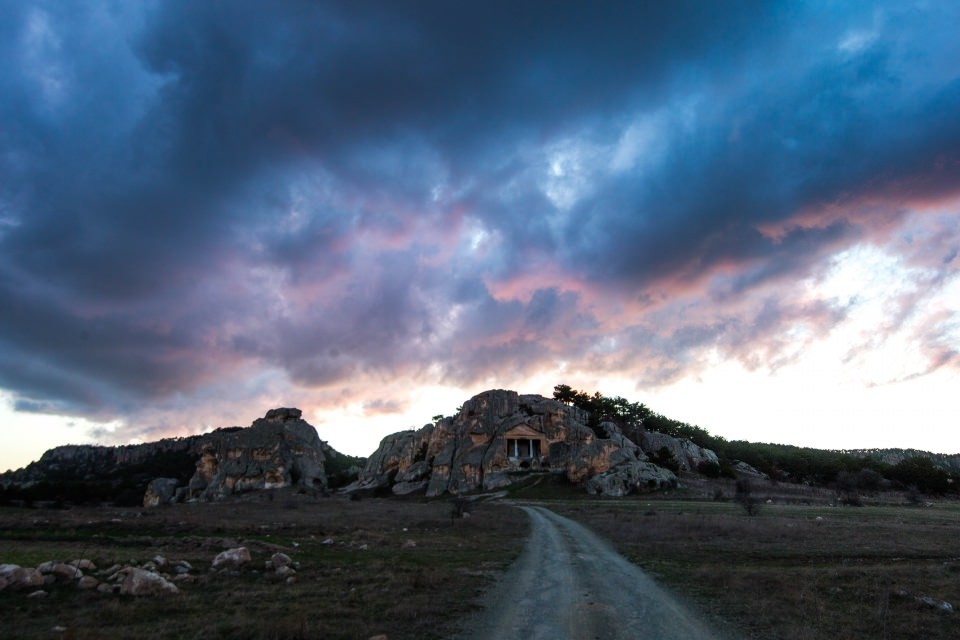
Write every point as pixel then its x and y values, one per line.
pixel 208 206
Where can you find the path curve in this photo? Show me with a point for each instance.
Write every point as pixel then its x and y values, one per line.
pixel 570 584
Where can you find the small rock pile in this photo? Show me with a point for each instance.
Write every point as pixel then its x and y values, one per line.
pixel 83 574
pixel 156 577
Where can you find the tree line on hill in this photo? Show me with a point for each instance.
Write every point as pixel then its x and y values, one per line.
pixel 783 463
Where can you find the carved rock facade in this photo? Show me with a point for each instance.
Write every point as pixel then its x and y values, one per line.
pixel 499 434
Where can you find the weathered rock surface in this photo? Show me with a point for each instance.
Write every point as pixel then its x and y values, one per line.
pixel 160 491
pixel 278 450
pixel 232 559
pixel 495 437
pixel 633 477
pixel 17 578
pixel 139 582
pixel 689 455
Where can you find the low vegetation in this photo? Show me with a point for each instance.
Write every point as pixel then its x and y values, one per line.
pixel 408 569
pixel 783 463
pixel 795 571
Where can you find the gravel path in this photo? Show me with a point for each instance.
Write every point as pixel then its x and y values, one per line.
pixel 569 584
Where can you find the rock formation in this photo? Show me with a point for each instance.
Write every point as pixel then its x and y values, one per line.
pixel 687 454
pixel 278 450
pixel 498 435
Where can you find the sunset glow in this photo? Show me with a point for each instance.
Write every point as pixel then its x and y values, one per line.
pixel 744 215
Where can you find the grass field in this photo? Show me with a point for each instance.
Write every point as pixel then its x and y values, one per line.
pixel 362 584
pixel 795 571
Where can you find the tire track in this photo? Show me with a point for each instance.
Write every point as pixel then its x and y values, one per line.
pixel 568 583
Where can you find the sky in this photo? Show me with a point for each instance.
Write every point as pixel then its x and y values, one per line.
pixel 745 215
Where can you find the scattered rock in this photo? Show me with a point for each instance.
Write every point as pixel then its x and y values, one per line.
pixel 285 571
pixel 46 567
pixel 19 578
pixel 145 583
pixel 933 603
pixel 232 559
pixel 278 560
pixel 88 582
pixel 408 544
pixel 65 572
pixel 38 594
pixel 181 567
pixel 103 587
pixel 83 564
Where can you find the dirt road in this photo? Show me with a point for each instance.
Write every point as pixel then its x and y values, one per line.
pixel 569 584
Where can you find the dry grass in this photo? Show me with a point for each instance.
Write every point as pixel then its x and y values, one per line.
pixel 363 584
pixel 786 574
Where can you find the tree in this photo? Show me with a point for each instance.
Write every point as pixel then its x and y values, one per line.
pixel 564 393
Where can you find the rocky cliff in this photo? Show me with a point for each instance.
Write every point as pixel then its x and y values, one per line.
pixel 278 450
pixel 499 435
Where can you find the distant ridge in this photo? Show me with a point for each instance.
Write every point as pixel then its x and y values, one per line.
pixel 279 450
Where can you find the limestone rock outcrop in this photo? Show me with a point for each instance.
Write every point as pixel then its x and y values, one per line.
pixel 160 491
pixel 279 450
pixel 496 436
pixel 631 478
pixel 689 455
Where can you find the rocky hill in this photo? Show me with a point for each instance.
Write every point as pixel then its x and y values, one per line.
pixel 949 462
pixel 278 450
pixel 498 436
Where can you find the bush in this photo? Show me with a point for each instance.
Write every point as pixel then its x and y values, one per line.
pixel 746 498
pixel 709 469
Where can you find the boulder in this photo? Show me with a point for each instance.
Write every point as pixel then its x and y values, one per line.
pixel 88 582
pixel 687 454
pixel 139 582
pixel 278 560
pixel 17 578
pixel 160 491
pixel 630 478
pixel 65 572
pixel 83 564
pixel 181 567
pixel 742 469
pixel 285 572
pixel 232 558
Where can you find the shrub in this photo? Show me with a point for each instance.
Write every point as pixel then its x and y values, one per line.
pixel 746 498
pixel 709 469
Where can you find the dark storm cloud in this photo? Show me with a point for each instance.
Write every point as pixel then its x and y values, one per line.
pixel 339 189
